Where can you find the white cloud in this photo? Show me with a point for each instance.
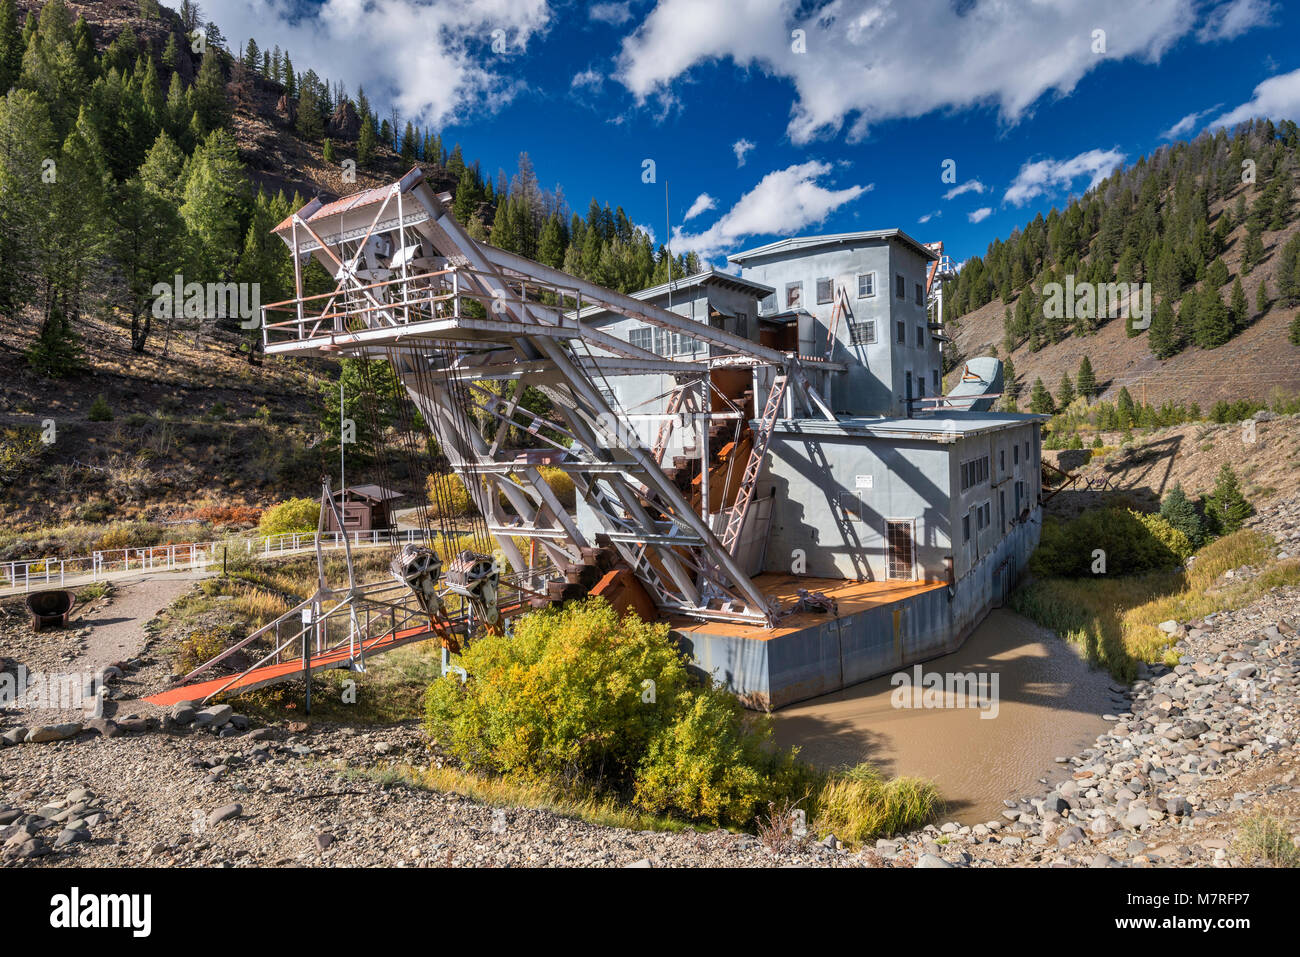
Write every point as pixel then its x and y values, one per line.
pixel 871 60
pixel 970 186
pixel 703 203
pixel 981 214
pixel 1187 124
pixel 615 14
pixel 1278 98
pixel 431 59
pixel 1042 177
pixel 784 202
pixel 740 148
pixel 1229 20
pixel 588 79
pixel 929 216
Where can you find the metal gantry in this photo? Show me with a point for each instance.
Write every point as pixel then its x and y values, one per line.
pixel 452 315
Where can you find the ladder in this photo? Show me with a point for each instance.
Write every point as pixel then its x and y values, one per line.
pixel 749 480
pixel 839 311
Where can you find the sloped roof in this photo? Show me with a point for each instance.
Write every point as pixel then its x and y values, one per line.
pixel 798 243
pixel 344 204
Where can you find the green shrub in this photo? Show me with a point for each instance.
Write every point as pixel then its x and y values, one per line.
pixel 1181 513
pixel 1264 840
pixel 578 695
pixel 1133 542
pixel 99 410
pixel 20 452
pixel 128 535
pixel 291 515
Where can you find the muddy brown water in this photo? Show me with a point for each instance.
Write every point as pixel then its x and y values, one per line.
pixel 1048 703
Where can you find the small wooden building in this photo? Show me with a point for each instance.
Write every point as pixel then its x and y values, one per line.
pixel 363 507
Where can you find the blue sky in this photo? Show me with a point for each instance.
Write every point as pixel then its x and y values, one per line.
pixel 850 122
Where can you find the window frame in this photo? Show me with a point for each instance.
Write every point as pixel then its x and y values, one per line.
pixel 797 288
pixel 872 277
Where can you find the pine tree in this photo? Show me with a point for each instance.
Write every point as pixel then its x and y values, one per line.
pixel 1293 331
pixel 26 141
pixel 1178 511
pixel 11 50
pixel 1086 380
pixel 366 141
pixel 1213 321
pixel 213 203
pixel 467 198
pixel 1226 508
pixel 1040 400
pixel 1162 337
pixel 408 146
pixel 309 124
pixel 252 56
pixel 327 151
pixel 1261 297
pixel 1237 306
pixel 207 97
pixel 1065 392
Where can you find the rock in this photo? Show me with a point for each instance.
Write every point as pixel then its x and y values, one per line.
pixel 33 847
pixel 14 736
pixel 70 836
pixel 54 732
pixel 1168 627
pixel 324 841
pixel 183 713
pixel 1101 826
pixel 1137 817
pixel 214 716
pixel 1101 860
pixel 225 813
pixel 644 862
pixel 1071 835
pixel 297 727
pixel 107 727
pixel 931 860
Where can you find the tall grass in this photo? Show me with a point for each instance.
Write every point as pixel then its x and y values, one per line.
pixel 1114 620
pixel 860 804
pixel 1264 840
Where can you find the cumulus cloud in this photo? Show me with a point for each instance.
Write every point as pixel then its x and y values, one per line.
pixel 1229 20
pixel 703 203
pixel 981 214
pixel 740 148
pixel 1046 176
pixel 866 61
pixel 1277 98
pixel 784 202
pixel 970 186
pixel 432 59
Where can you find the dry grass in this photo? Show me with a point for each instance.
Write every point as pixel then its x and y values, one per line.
pixel 1114 620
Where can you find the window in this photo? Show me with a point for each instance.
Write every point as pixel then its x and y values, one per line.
pixel 663 342
pixel 866 285
pixel 642 338
pixel 793 295
pixel 768 303
pixel 862 333
pixel 983 517
pixel 825 290
pixel 920 295
pixel 974 472
pixel 900 286
pixel 900 550
pixel 902 333
pixel 920 337
pixel 742 324
pixel 938 386
pixel 965 527
pixel 1015 455
pixel 1002 461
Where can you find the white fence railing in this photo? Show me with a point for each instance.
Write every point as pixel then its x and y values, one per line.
pixel 185 556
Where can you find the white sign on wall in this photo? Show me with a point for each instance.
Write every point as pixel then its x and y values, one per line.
pixel 863 481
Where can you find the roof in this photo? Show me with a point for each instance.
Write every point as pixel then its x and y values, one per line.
pixel 376 493
pixel 366 197
pixel 939 427
pixel 799 243
pixel 706 277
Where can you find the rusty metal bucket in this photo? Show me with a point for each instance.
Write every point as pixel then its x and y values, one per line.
pixel 50 609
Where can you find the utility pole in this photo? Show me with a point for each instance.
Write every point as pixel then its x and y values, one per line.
pixel 343 485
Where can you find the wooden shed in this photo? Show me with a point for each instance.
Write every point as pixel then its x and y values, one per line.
pixel 363 507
